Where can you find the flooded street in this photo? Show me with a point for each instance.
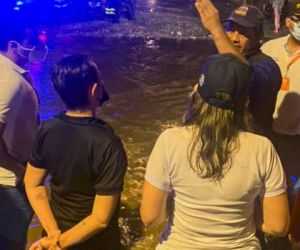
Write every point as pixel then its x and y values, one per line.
pixel 149 66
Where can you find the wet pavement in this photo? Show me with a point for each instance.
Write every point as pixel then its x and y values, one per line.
pixel 149 67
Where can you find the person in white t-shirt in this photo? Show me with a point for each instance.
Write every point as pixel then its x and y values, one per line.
pixel 204 177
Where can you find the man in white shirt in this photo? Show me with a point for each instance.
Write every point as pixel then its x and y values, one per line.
pixel 286 52
pixel 18 125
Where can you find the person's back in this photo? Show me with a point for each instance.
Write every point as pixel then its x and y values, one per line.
pixel 86 162
pixel 213 170
pixel 79 154
pixel 210 215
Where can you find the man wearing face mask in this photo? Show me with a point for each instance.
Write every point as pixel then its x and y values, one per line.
pixel 286 52
pixel 242 36
pixel 18 126
pixel 86 161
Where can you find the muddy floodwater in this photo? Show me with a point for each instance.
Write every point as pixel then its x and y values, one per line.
pixel 149 67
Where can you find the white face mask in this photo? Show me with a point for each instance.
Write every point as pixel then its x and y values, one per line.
pixel 295 31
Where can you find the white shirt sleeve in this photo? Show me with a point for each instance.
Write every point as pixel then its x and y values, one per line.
pixel 8 97
pixel 157 168
pixel 274 181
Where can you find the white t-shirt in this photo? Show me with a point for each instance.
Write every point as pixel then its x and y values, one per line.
pixel 287 110
pixel 18 111
pixel 208 215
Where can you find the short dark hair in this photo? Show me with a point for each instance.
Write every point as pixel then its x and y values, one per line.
pixel 72 77
pixel 16 30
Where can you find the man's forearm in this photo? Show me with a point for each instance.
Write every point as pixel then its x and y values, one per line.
pixel 39 201
pixel 81 231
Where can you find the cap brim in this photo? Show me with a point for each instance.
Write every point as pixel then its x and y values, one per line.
pixel 241 21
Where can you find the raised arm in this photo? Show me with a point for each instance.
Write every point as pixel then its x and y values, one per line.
pixel 210 19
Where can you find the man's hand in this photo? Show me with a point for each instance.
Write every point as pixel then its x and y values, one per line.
pixel 210 19
pixel 209 16
pixel 47 243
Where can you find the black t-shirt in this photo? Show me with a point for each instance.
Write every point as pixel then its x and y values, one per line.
pixel 84 158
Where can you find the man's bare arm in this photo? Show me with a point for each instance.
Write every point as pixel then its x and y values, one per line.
pixel 37 195
pixel 103 209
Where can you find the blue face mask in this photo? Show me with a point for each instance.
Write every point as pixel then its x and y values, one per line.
pixel 295 32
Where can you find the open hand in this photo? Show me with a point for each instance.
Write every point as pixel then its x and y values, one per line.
pixel 209 16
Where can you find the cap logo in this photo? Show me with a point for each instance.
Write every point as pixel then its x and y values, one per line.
pixel 201 80
pixel 241 11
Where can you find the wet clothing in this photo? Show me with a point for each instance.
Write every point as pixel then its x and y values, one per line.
pixel 264 86
pixel 208 215
pixel 84 158
pixel 19 112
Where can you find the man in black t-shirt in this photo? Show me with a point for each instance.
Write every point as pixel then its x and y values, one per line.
pixel 86 162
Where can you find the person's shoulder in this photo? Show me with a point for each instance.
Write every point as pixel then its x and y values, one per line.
pixel 176 133
pixel 49 124
pixel 254 140
pixel 104 133
pixel 9 79
pixel 274 43
pixel 266 67
pixel 261 57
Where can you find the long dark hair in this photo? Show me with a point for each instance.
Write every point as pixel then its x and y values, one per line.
pixel 215 135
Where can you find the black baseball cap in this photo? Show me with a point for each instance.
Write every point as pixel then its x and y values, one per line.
pixel 294 8
pixel 248 16
pixel 224 73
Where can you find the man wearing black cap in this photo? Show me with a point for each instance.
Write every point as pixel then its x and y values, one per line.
pixel 244 31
